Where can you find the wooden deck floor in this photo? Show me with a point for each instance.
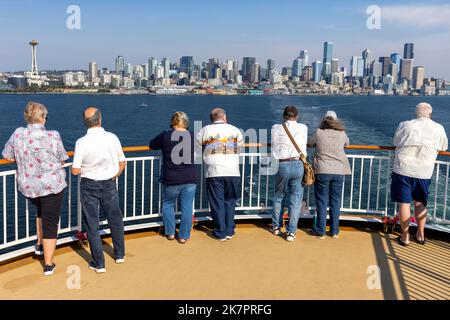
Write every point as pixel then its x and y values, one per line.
pixel 254 265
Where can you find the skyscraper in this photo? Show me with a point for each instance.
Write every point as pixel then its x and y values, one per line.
pixel 249 69
pixel 395 58
pixel 270 65
pixel 152 66
pixel 187 65
pixel 406 68
pixel 385 61
pixel 418 76
pixel 304 55
pixel 408 51
pixel 368 59
pixel 357 67
pixel 165 63
pixel 317 71
pixel 297 67
pixel 327 56
pixel 393 71
pixel 120 65
pixel 93 71
pixel 376 69
pixel 334 65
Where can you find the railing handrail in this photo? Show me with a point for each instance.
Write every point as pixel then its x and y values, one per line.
pixel 253 145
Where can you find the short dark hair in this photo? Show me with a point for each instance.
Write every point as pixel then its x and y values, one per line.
pixel 94 120
pixel 290 112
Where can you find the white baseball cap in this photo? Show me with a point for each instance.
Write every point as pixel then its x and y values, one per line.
pixel 331 114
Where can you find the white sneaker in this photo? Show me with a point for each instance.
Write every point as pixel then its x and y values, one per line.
pixel 229 237
pixel 335 236
pixel 290 237
pixel 119 261
pixel 98 270
pixel 276 231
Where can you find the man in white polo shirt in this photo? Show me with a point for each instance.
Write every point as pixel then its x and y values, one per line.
pixel 100 160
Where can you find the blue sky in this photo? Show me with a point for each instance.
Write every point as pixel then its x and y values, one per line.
pixel 231 29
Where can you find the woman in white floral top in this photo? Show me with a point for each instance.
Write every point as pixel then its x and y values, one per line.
pixel 40 155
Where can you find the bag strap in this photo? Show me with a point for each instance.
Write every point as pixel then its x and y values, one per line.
pixel 302 156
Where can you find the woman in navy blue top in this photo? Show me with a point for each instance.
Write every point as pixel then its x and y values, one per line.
pixel 178 175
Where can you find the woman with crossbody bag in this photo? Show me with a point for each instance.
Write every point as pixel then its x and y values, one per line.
pixel 289 177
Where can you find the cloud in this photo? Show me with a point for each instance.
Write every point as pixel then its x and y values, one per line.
pixel 418 16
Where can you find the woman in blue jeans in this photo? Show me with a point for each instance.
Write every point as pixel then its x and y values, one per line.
pixel 330 165
pixel 178 175
pixel 288 180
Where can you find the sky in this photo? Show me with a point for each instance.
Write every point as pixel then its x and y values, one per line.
pixel 231 29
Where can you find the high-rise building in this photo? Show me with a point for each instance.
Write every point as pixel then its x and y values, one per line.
pixel 307 73
pixel 297 67
pixel 376 69
pixel 334 65
pixel 128 69
pixel 120 65
pixel 368 59
pixel 249 69
pixel 93 71
pixel 385 61
pixel 152 65
pixel 327 56
pixel 357 67
pixel 393 71
pixel 165 63
pixel 418 76
pixel 187 65
pixel 395 58
pixel 317 71
pixel 304 55
pixel 406 68
pixel 408 51
pixel 270 65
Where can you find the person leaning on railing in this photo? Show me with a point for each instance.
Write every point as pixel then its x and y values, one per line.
pixel 330 166
pixel 100 160
pixel 221 142
pixel 178 175
pixel 40 155
pixel 288 179
pixel 417 143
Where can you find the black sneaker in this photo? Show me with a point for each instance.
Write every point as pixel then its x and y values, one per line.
pixel 38 250
pixel 49 269
pixel 319 236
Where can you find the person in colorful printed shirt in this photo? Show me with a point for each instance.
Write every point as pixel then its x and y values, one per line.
pixel 220 143
pixel 41 178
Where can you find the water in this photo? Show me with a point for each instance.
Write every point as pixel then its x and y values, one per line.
pixel 370 120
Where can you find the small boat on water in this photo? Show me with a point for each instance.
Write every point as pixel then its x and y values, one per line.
pixel 143 105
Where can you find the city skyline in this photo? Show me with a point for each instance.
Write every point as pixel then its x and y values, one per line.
pixel 199 37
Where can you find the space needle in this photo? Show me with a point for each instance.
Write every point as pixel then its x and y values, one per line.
pixel 34 69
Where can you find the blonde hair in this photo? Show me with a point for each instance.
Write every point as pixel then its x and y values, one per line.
pixel 35 112
pixel 179 119
pixel 424 110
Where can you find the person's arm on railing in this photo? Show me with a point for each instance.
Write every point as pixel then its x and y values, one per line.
pixel 77 160
pixel 8 151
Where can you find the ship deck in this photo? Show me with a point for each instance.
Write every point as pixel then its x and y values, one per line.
pixel 253 265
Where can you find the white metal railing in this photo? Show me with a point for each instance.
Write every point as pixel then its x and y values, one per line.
pixel 365 196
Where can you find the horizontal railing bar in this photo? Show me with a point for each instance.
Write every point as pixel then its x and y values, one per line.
pixel 253 145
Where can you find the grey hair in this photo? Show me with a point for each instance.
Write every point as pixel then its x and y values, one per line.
pixel 34 112
pixel 424 110
pixel 217 114
pixel 94 120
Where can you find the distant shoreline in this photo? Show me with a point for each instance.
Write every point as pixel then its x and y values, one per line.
pixel 212 95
